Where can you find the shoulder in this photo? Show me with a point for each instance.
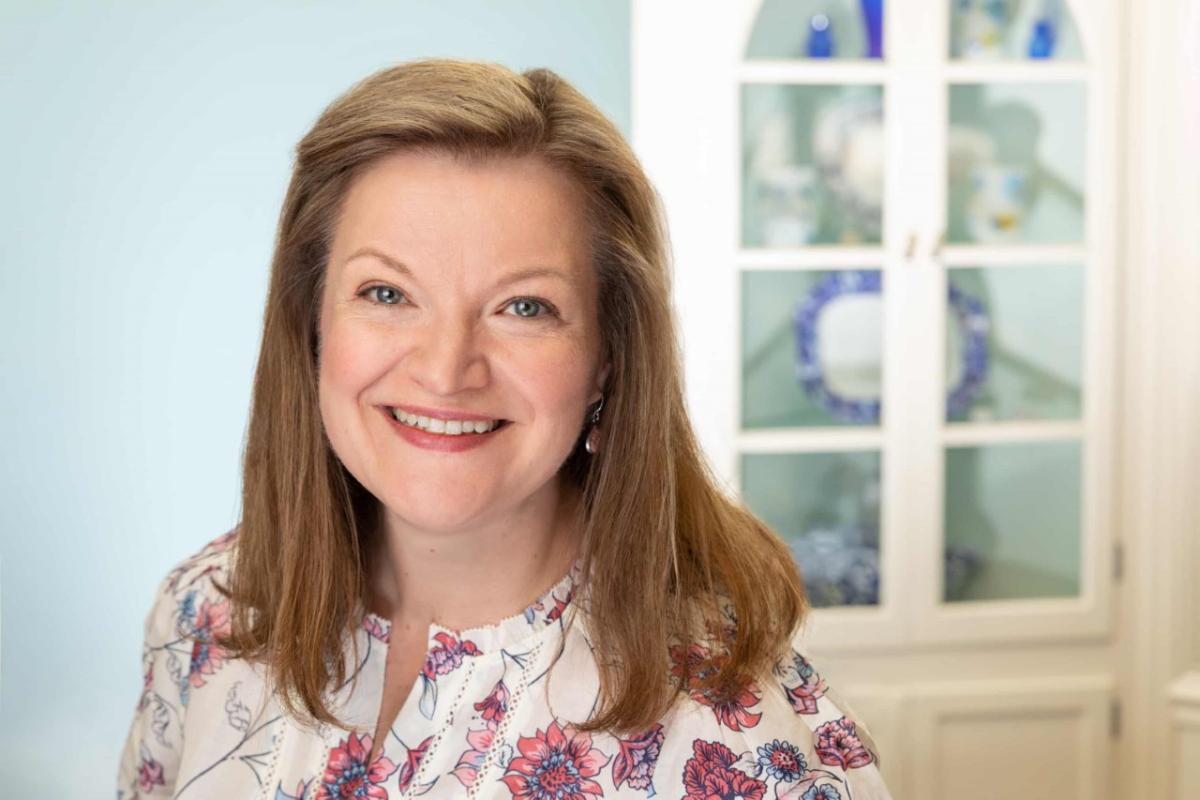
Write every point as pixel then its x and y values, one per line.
pixel 187 601
pixel 198 568
pixel 785 734
pixel 179 657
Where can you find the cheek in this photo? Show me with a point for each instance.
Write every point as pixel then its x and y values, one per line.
pixel 350 360
pixel 560 388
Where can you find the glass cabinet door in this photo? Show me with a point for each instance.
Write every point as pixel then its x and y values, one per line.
pixel 1016 185
pixel 811 283
pixel 981 235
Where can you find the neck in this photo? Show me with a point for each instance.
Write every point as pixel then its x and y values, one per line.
pixel 466 579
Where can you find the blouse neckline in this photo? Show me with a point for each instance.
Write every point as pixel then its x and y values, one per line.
pixel 546 610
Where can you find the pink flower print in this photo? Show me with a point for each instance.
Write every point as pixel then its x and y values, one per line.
pixel 376 629
pixel 495 705
pixel 709 775
pixel 804 697
pixel 531 611
pixel 809 686
pixel 732 712
pixel 223 542
pixel 467 768
pixel 839 746
pixel 347 773
pixel 635 763
pixel 147 685
pixel 280 794
pixel 560 606
pixel 150 774
pixel 559 763
pixel 212 619
pixel 412 762
pixel 447 655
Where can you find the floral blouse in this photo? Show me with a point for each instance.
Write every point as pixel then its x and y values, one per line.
pixel 486 718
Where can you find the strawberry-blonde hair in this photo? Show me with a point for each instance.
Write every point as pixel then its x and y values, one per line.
pixel 663 545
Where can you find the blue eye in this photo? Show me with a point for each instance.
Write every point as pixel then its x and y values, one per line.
pixel 527 306
pixel 394 292
pixel 526 302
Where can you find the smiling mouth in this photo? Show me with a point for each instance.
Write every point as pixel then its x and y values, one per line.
pixel 448 428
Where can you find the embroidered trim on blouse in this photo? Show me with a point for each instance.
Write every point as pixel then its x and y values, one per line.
pixel 514 704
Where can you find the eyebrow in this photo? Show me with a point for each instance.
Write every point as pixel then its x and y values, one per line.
pixel 512 277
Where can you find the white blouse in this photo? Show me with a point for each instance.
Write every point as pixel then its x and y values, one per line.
pixel 486 718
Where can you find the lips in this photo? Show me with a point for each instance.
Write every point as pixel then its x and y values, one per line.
pixel 440 413
pixel 451 426
pixel 442 442
pixel 497 426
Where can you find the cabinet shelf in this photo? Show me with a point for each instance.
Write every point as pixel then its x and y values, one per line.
pixel 1015 72
pixel 819 257
pixel 813 71
pixel 809 440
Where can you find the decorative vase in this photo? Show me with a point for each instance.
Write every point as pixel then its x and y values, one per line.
pixel 872 11
pixel 980 27
pixel 999 202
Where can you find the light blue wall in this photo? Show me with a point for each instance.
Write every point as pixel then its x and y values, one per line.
pixel 145 149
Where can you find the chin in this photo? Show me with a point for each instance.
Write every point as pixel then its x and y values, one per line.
pixel 433 509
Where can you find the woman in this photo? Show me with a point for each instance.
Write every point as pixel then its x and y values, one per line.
pixel 480 553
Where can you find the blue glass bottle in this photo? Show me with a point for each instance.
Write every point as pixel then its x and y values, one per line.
pixel 1041 45
pixel 1045 30
pixel 872 11
pixel 820 37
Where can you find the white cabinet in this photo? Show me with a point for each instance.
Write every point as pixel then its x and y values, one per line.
pixel 895 268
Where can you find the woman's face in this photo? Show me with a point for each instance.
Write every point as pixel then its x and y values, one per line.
pixel 424 308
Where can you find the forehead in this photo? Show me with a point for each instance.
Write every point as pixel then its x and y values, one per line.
pixel 428 204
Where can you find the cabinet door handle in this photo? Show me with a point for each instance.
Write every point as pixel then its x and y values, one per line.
pixel 937 248
pixel 911 250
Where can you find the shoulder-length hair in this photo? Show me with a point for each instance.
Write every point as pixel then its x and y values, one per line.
pixel 663 546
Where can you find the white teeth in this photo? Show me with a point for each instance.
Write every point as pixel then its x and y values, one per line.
pixel 451 427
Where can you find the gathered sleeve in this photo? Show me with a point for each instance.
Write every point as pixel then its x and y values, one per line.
pixel 786 735
pixel 149 762
pixel 837 756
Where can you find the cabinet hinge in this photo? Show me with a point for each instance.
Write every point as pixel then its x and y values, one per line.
pixel 1114 719
pixel 1118 561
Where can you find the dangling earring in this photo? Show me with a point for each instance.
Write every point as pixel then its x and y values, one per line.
pixel 592 445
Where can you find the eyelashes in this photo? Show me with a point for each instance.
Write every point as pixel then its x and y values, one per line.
pixel 370 292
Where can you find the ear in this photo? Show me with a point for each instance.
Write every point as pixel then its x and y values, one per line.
pixel 602 377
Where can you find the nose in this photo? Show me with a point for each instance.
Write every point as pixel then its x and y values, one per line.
pixel 447 358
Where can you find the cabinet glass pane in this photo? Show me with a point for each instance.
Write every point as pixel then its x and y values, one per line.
pixel 791 29
pixel 1013 30
pixel 1012 521
pixel 812 348
pixel 1014 343
pixel 826 507
pixel 812 164
pixel 1016 163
